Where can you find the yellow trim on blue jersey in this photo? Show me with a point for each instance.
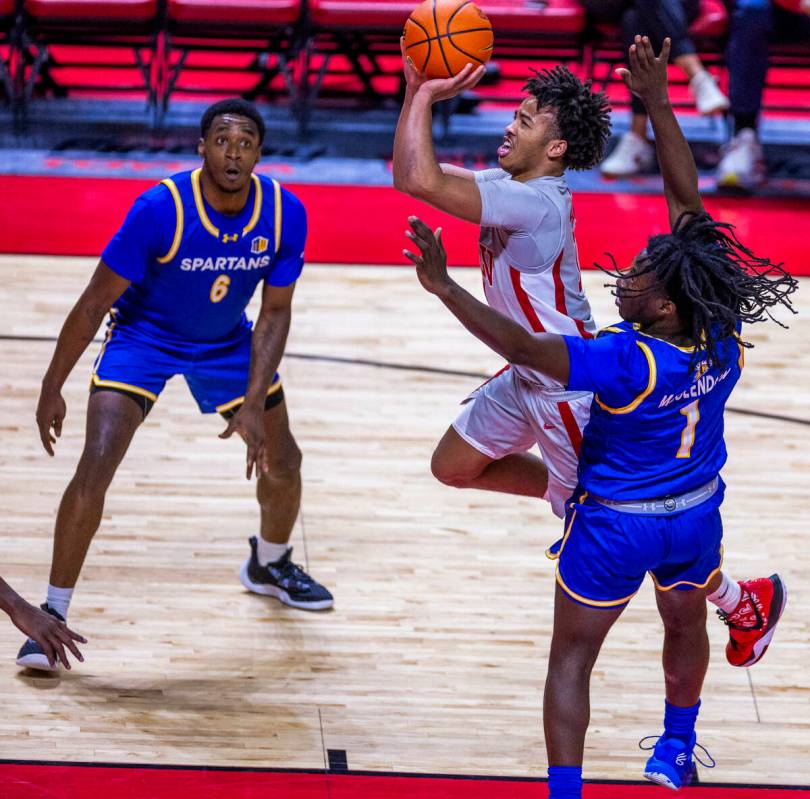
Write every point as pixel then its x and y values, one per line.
pixel 659 587
pixel 644 394
pixel 257 206
pixel 741 360
pixel 125 387
pixel 198 201
pixel 277 218
pixel 609 329
pixel 178 223
pixel 551 555
pixel 239 400
pixel 596 603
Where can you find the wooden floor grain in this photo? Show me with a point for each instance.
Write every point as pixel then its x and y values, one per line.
pixel 434 656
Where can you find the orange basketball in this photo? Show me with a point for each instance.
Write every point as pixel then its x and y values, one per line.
pixel 441 36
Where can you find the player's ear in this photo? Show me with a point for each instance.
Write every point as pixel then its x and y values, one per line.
pixel 201 147
pixel 557 148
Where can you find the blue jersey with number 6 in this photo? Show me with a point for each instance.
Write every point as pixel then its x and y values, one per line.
pixel 656 426
pixel 194 270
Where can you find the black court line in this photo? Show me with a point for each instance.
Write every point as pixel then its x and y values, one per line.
pixel 361 773
pixel 404 367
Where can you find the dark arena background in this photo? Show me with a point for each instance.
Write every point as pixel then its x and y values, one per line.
pixel 425 680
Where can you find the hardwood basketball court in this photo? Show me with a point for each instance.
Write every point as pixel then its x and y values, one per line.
pixel 434 657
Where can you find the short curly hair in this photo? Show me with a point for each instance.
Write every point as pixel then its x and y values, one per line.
pixel 236 106
pixel 583 116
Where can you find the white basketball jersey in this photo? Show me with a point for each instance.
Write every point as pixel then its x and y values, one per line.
pixel 529 257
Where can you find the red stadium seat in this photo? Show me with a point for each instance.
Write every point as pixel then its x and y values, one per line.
pixel 98 12
pixel 267 30
pixel 58 34
pixel 712 22
pixel 359 40
pixel 249 15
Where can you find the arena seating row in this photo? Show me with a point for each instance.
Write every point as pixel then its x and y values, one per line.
pixel 292 46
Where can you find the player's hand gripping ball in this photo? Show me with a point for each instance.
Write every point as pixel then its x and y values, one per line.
pixel 442 36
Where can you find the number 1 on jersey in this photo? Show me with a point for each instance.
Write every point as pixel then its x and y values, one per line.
pixel 692 415
pixel 220 288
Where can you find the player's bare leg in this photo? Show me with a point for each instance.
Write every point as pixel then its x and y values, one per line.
pixel 686 659
pixel 578 635
pixel 279 488
pixel 457 463
pixel 269 570
pixel 112 419
pixel 686 644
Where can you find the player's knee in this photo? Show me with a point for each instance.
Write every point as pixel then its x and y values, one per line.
pixel 285 465
pixel 453 473
pixel 95 470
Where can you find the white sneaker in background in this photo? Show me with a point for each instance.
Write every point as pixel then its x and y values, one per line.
pixel 743 164
pixel 708 97
pixel 633 154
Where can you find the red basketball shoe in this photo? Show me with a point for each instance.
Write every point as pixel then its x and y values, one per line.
pixel 752 623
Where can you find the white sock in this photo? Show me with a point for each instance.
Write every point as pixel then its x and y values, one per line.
pixel 728 594
pixel 59 599
pixel 268 552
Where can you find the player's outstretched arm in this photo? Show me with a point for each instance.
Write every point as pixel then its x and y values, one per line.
pixel 416 170
pixel 546 352
pixel 81 324
pixel 50 633
pixel 266 350
pixel 647 79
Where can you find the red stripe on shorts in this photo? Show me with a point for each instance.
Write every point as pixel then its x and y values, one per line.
pixel 571 426
pixel 525 302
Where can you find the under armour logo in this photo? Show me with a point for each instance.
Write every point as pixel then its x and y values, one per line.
pixel 226 238
pixel 681 759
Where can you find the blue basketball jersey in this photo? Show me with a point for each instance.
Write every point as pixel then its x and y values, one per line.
pixel 656 426
pixel 194 270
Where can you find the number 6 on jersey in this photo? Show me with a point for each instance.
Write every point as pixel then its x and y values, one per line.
pixel 220 288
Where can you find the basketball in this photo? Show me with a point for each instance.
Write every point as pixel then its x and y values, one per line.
pixel 442 36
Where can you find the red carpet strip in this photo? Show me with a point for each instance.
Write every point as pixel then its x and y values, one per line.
pixel 364 224
pixel 38 781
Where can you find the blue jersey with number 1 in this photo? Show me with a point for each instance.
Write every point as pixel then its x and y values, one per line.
pixel 194 270
pixel 656 426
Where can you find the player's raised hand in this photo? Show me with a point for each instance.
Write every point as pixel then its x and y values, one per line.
pixel 51 412
pixel 249 424
pixel 647 76
pixel 439 88
pixel 50 633
pixel 431 265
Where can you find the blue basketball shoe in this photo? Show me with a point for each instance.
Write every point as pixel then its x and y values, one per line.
pixel 671 763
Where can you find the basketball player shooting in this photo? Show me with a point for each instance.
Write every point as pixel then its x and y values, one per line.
pixel 649 490
pixel 176 280
pixel 530 268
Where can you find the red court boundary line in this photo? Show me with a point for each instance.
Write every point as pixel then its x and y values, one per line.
pixel 364 224
pixel 21 779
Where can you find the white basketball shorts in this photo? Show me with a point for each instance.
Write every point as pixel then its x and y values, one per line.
pixel 508 414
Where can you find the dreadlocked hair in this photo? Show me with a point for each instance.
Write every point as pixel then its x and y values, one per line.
pixel 583 116
pixel 714 280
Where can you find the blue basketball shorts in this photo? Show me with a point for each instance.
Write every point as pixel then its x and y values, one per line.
pixel 604 553
pixel 136 362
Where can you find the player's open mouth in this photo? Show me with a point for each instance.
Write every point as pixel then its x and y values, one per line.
pixel 505 148
pixel 233 173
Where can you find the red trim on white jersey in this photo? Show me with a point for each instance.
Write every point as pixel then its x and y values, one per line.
pixel 525 303
pixel 571 426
